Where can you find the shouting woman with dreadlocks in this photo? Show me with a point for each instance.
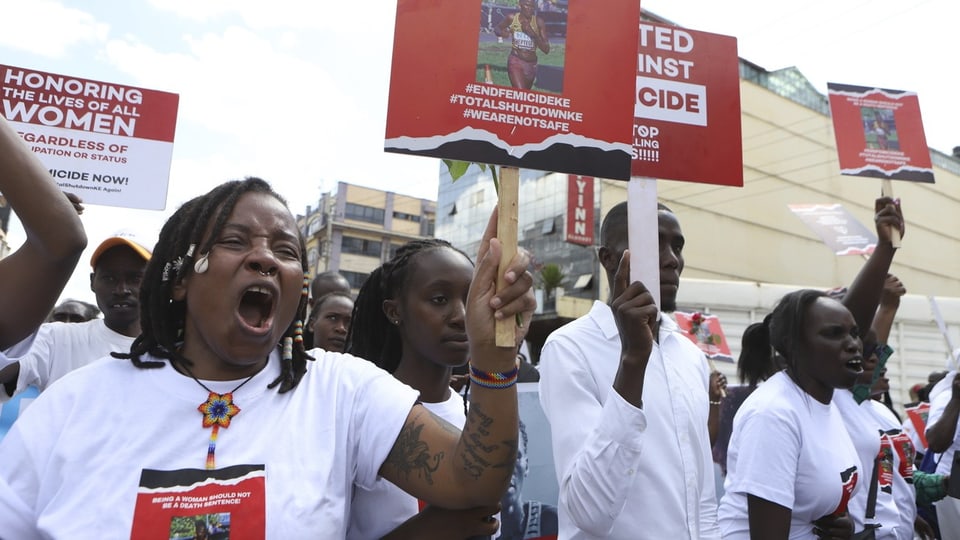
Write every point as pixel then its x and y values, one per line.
pixel 409 319
pixel 217 417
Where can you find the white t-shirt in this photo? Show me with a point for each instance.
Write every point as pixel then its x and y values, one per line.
pixel 116 451
pixel 628 473
pixel 60 348
pixel 384 507
pixel 792 450
pixel 939 399
pixel 875 430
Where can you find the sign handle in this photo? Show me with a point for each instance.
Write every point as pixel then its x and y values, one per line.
pixel 506 329
pixel 886 189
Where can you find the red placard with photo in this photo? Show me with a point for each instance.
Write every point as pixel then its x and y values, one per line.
pixel 539 85
pixel 706 333
pixel 687 107
pixel 879 133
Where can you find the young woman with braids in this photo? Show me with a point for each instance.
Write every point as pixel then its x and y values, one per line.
pixel 217 411
pixel 409 319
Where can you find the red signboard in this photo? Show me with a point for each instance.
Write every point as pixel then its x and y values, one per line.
pixel 108 143
pixel 545 87
pixel 706 333
pixel 879 133
pixel 687 107
pixel 580 210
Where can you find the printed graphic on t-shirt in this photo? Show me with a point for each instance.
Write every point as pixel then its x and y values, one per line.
pixel 885 465
pixel 849 478
pixel 197 504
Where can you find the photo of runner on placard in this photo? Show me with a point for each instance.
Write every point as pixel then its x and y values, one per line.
pixel 522 43
pixel 879 129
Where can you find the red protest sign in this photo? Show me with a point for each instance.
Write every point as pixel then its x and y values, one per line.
pixel 706 333
pixel 546 87
pixel 108 143
pixel 879 133
pixel 687 107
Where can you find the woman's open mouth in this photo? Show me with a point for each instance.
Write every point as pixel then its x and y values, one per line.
pixel 256 309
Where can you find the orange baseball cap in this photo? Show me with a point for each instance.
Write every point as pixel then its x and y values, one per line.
pixel 122 238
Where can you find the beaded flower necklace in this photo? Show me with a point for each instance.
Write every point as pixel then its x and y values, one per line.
pixel 217 411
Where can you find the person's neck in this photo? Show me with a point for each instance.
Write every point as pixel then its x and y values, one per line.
pixel 129 330
pixel 430 379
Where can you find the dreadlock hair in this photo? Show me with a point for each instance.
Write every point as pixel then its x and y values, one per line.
pixel 371 334
pixel 181 241
pixel 784 330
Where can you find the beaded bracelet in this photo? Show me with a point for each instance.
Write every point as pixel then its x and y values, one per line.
pixel 496 380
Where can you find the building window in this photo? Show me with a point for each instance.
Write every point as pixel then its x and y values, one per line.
pixel 406 216
pixel 315 226
pixel 360 246
pixel 549 226
pixel 360 212
pixel 355 279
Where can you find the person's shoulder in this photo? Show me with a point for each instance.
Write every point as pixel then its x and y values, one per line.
pixel 776 396
pixel 332 366
pixel 593 322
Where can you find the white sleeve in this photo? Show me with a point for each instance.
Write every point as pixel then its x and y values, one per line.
pixel 768 450
pixel 380 409
pixel 596 447
pixel 937 408
pixel 37 361
pixel 19 485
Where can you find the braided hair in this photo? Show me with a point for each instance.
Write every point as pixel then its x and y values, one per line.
pixel 162 318
pixel 371 335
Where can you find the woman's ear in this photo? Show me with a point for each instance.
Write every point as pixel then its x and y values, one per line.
pixel 392 311
pixel 179 292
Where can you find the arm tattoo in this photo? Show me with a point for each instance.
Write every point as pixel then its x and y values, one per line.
pixel 410 454
pixel 476 455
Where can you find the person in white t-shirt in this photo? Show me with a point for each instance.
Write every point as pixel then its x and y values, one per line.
pixel 59 348
pixel 791 467
pixel 943 438
pixel 409 319
pixel 216 414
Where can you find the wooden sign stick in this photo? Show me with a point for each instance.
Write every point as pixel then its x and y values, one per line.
pixel 506 329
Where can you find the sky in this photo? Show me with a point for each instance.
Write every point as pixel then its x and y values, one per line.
pixel 295 91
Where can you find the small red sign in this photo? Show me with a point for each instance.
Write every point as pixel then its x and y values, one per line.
pixel 879 133
pixel 580 210
pixel 706 333
pixel 687 107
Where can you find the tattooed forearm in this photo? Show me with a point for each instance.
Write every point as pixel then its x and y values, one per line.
pixel 410 454
pixel 478 452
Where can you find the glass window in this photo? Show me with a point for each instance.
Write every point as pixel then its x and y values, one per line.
pixel 360 246
pixel 364 213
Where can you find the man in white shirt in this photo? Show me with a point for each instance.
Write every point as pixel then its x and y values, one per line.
pixel 943 438
pixel 626 395
pixel 59 348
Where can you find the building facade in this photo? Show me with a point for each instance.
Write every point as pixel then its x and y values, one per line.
pixel 355 229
